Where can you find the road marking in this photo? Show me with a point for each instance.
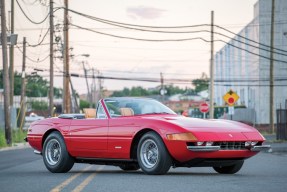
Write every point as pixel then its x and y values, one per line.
pixel 82 185
pixel 59 187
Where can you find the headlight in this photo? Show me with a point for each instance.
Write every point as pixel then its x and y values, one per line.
pixel 247 143
pixel 250 143
pixel 181 137
pixel 209 143
pixel 199 143
pixel 253 143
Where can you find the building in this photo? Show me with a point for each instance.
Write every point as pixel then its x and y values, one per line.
pixel 248 74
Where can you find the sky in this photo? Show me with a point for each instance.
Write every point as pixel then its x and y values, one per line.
pixel 117 57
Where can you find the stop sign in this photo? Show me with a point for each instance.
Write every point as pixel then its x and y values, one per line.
pixel 204 107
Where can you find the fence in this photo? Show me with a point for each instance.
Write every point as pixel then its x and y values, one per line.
pixel 281 133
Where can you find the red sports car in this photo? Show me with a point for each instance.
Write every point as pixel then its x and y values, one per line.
pixel 135 133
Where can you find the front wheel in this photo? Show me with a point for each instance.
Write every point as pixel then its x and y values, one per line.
pixel 55 155
pixel 152 155
pixel 229 169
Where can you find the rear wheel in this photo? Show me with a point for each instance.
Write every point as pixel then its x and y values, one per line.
pixel 229 169
pixel 152 155
pixel 129 167
pixel 55 155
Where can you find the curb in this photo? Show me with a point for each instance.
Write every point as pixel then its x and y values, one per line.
pixel 16 146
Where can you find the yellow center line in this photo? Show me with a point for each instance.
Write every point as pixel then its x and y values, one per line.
pixel 69 180
pixel 82 185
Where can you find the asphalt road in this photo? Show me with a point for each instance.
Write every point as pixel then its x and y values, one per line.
pixel 21 170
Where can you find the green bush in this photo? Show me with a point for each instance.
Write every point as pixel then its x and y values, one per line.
pixel 2 138
pixel 17 137
pixel 39 105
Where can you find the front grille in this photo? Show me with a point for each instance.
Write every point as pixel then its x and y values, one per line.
pixel 231 145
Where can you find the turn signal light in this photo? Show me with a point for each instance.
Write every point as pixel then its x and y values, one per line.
pixel 181 137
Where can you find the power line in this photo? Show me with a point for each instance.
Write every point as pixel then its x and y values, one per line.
pixel 140 39
pixel 143 26
pixel 40 43
pixel 249 39
pixel 174 40
pixel 34 22
pixel 124 25
pixel 32 60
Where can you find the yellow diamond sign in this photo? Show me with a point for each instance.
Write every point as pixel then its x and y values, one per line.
pixel 230 97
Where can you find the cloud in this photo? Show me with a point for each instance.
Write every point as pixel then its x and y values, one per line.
pixel 144 12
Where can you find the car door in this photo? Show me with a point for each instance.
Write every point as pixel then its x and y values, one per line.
pixel 120 136
pixel 88 137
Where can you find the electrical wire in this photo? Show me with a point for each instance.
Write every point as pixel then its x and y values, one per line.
pixel 139 39
pixel 40 43
pixel 124 25
pixel 250 39
pixel 174 40
pixel 35 22
pixel 32 60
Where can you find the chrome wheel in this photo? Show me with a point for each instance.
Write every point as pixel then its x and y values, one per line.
pixel 152 155
pixel 55 155
pixel 149 153
pixel 53 152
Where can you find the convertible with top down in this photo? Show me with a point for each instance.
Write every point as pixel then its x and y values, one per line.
pixel 141 133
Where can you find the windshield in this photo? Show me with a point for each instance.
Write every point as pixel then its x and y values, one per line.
pixel 135 106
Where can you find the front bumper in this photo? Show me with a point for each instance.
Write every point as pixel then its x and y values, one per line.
pixel 261 148
pixel 217 148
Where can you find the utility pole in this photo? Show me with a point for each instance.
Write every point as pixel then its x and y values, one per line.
pixel 75 97
pixel 23 86
pixel 11 66
pixel 87 83
pixel 94 95
pixel 6 84
pixel 211 84
pixel 66 90
pixel 162 90
pixel 100 87
pixel 51 92
pixel 271 112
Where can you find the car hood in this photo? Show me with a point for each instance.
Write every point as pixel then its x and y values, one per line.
pixel 214 128
pixel 195 123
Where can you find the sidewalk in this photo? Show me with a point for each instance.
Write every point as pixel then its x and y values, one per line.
pixel 16 146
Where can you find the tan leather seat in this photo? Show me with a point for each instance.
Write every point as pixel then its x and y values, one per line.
pixel 90 112
pixel 127 111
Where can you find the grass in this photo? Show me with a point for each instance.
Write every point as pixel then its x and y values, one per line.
pixel 17 137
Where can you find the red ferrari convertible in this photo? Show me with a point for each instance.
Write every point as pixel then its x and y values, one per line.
pixel 140 133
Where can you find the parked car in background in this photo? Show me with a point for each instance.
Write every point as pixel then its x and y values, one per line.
pixel 33 117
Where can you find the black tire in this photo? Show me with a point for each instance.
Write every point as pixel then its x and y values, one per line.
pixel 153 157
pixel 55 155
pixel 129 167
pixel 229 169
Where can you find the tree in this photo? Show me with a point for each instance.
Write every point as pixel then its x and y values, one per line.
pixel 201 84
pixel 140 91
pixel 39 105
pixel 37 86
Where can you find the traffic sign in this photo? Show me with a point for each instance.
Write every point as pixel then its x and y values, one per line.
pixel 204 107
pixel 230 97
